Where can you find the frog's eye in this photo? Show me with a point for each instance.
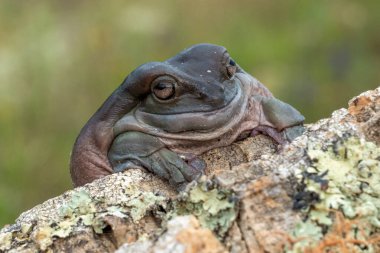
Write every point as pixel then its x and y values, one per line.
pixel 231 68
pixel 163 90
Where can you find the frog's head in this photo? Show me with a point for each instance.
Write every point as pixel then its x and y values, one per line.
pixel 199 90
pixel 177 95
pixel 198 79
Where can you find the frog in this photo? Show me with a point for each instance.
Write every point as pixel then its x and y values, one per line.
pixel 164 115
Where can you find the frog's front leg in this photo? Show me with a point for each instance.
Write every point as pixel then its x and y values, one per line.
pixel 140 150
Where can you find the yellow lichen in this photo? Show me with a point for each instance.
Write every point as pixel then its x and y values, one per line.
pixel 5 241
pixel 346 178
pixel 214 208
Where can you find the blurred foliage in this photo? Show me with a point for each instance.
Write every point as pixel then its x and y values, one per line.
pixel 59 60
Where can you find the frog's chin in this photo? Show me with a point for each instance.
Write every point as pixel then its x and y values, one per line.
pixel 188 126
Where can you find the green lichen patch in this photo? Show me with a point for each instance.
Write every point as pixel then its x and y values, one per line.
pixel 140 203
pixel 81 211
pixel 5 241
pixel 79 203
pixel 215 208
pixel 309 232
pixel 343 177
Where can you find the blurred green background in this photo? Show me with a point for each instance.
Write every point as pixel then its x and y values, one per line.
pixel 59 60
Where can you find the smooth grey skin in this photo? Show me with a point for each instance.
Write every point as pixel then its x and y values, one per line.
pixel 211 102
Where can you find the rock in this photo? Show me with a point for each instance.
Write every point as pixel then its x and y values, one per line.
pixel 366 109
pixel 320 193
pixel 183 235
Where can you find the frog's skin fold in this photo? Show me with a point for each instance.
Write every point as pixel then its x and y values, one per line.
pixel 165 112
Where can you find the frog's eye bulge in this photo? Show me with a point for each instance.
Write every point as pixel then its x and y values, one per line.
pixel 163 90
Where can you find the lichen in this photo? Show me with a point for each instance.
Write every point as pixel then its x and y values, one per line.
pixel 81 210
pixel 79 203
pixel 345 177
pixel 214 208
pixel 5 241
pixel 141 202
pixel 309 232
pixel 43 236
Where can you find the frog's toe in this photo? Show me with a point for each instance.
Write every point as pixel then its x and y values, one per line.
pixel 293 132
pixel 189 169
pixel 271 132
pixel 286 135
pixel 197 165
pixel 180 172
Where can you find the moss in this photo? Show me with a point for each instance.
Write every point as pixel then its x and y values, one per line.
pixel 346 178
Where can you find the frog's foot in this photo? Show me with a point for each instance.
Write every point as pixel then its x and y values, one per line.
pixel 293 132
pixel 271 132
pixel 167 165
pixel 195 162
pixel 180 170
pixel 286 135
pixel 138 150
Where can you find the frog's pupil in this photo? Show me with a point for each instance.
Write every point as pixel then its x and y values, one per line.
pixel 232 62
pixel 162 86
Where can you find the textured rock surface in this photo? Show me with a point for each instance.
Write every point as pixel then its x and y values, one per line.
pixel 320 193
pixel 183 235
pixel 366 109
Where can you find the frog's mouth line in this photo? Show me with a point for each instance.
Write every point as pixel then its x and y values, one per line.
pixel 199 126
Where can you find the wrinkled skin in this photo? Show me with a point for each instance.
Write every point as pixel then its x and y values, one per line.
pixel 164 114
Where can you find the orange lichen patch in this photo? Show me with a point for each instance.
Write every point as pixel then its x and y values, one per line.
pixel 197 239
pixel 283 241
pixel 345 236
pixel 260 184
pixel 271 203
pixel 358 104
pixel 340 238
pixel 365 106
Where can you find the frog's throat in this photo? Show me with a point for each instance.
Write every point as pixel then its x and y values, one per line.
pixel 213 124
